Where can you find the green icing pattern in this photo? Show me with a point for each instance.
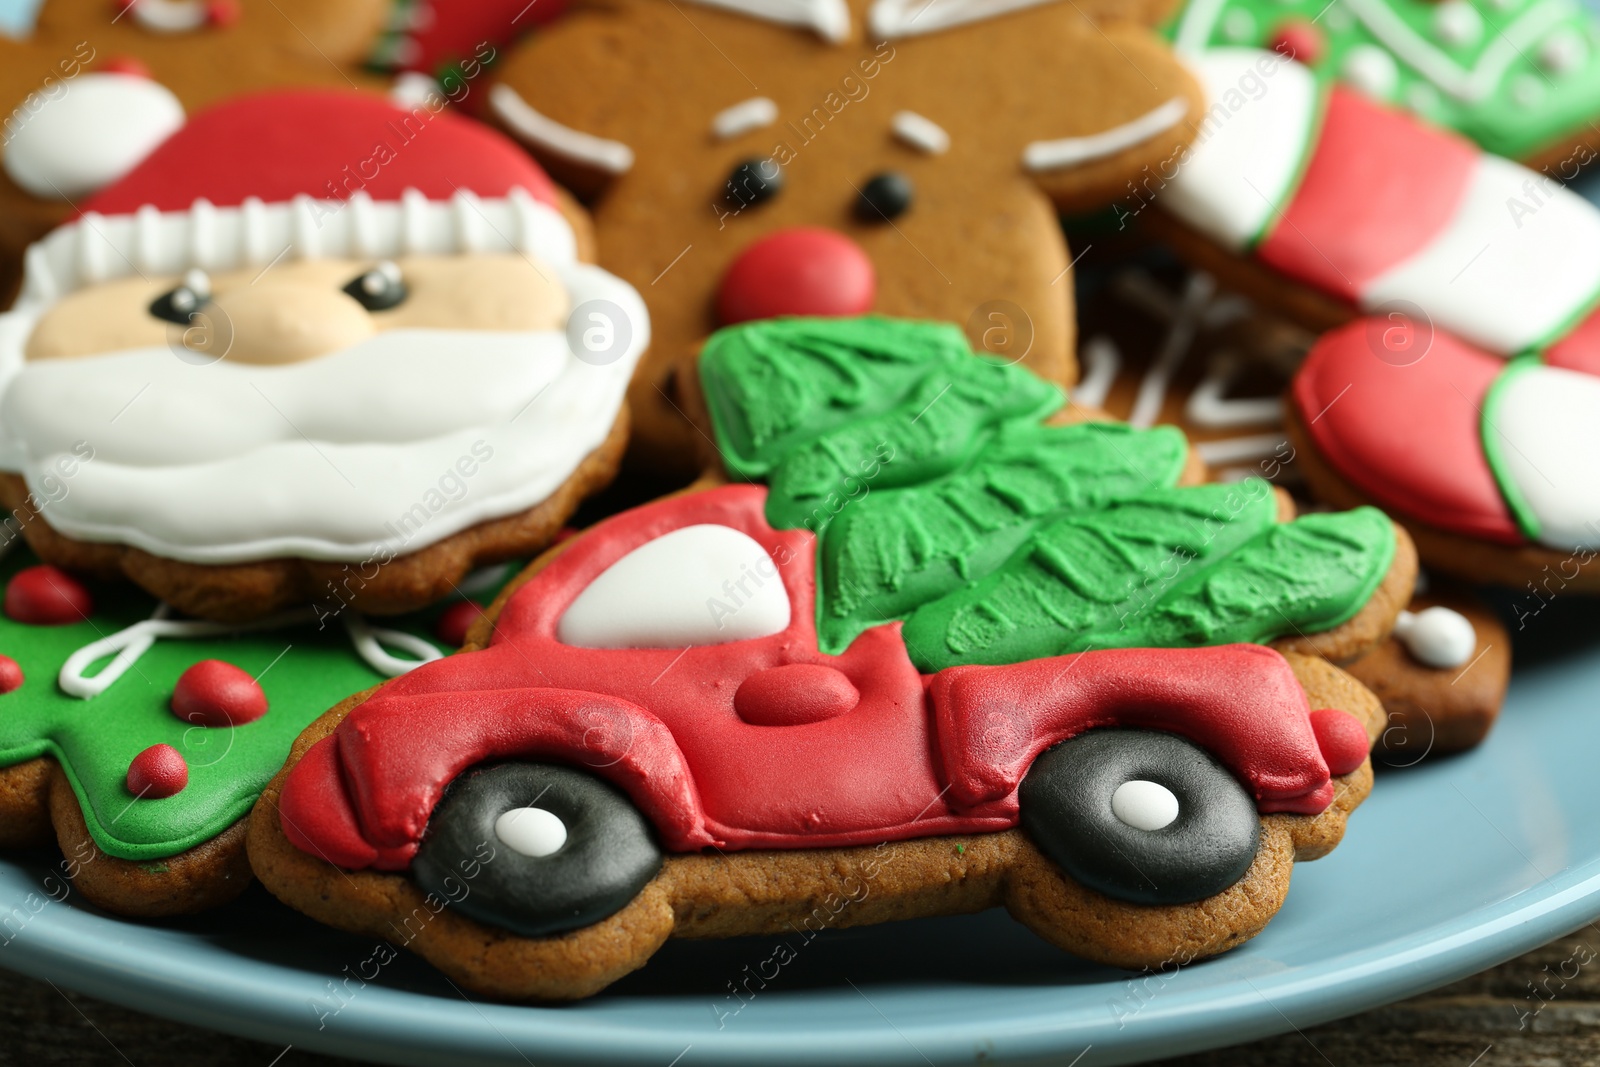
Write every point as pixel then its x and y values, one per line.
pixel 1513 75
pixel 1001 538
pixel 302 670
pixel 1494 446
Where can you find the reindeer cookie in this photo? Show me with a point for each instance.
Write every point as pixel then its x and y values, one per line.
pixel 315 348
pixel 836 157
pixel 89 87
pixel 938 651
pixel 1458 377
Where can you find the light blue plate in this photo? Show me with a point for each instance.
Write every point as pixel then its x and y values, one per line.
pixel 1452 866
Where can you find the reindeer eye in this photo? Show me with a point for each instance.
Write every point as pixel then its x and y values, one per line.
pixel 378 289
pixel 752 182
pixel 179 304
pixel 886 196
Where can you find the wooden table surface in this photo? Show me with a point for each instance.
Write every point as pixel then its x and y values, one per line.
pixel 1540 1010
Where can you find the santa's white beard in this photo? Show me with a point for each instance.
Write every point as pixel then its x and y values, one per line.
pixel 373 451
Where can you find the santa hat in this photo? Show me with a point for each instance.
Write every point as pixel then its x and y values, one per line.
pixel 308 174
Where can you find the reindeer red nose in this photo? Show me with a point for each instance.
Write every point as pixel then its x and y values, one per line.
pixel 801 271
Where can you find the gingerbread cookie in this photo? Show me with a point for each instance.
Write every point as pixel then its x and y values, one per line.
pixel 1165 346
pixel 315 348
pixel 833 157
pixel 89 87
pixel 1322 202
pixel 138 740
pixel 1522 79
pixel 941 657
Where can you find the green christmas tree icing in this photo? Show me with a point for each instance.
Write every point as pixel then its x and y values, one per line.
pixel 941 497
pixel 303 669
pixel 1513 75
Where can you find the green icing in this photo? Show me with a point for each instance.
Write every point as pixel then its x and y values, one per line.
pixel 303 671
pixel 1513 75
pixel 1494 446
pixel 998 538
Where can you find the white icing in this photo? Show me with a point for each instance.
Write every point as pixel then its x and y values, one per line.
pixel 604 154
pixel 1238 26
pixel 1563 52
pixel 1143 805
pixel 1073 151
pixel 1437 637
pixel 752 114
pixel 1244 162
pixel 1152 394
pixel 1208 407
pixel 920 133
pixel 1518 260
pixel 1548 437
pixel 414 89
pixel 890 19
pixel 829 19
pixel 170 16
pixel 1372 70
pixel 1104 362
pixel 1458 23
pixel 127 645
pixel 532 832
pixel 91 134
pixel 698 585
pixel 1239 449
pixel 336 458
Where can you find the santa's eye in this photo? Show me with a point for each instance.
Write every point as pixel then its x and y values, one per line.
pixel 378 289
pixel 752 182
pixel 698 585
pixel 180 303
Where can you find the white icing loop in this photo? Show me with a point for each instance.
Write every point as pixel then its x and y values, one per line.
pixel 610 156
pixel 890 19
pixel 1074 151
pixel 1208 408
pixel 1104 360
pixel 369 641
pixel 920 132
pixel 752 114
pixel 170 16
pixel 1437 636
pixel 98 128
pixel 829 19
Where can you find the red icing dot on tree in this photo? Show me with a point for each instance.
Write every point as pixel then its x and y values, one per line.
pixel 10 675
pixel 159 771
pixel 129 65
pixel 801 271
pixel 47 596
pixel 456 621
pixel 1342 739
pixel 1300 40
pixel 215 693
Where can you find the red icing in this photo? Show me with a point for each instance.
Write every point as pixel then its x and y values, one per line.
pixel 215 693
pixel 805 270
pixel 10 675
pixel 159 771
pixel 326 144
pixel 47 596
pixel 794 694
pixel 455 621
pixel 1342 739
pixel 222 13
pixel 1301 40
pixel 132 66
pixel 1379 188
pixel 1407 436
pixel 913 757
pixel 1579 349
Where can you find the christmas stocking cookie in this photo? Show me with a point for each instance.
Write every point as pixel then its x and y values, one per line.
pixel 934 650
pixel 833 157
pixel 314 348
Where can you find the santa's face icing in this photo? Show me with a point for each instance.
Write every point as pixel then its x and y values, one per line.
pixel 334 408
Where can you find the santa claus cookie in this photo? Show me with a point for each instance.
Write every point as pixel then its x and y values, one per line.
pixel 1519 77
pixel 1460 396
pixel 313 350
pixel 1165 346
pixel 834 157
pixel 938 652
pixel 139 739
pixel 89 87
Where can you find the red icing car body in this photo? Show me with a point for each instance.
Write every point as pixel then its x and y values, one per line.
pixel 758 742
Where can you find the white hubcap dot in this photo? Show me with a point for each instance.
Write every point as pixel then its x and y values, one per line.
pixel 531 831
pixel 1144 805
